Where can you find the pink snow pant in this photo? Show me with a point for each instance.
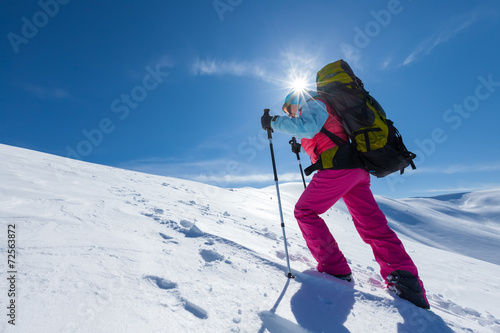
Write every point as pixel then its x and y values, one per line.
pixel 324 190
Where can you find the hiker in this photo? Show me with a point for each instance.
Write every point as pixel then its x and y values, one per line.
pixel 306 118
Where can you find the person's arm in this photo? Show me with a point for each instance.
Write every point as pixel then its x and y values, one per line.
pixel 310 122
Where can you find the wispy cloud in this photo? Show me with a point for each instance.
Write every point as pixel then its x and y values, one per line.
pixel 450 30
pixel 221 67
pixel 246 179
pixel 165 61
pixel 473 168
pixel 286 68
pixel 469 168
pixel 47 93
pixel 352 55
pixel 170 166
pixel 462 189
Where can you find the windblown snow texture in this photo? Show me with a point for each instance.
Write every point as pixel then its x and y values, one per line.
pixel 101 249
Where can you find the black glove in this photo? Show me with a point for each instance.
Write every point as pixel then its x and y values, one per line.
pixel 265 121
pixel 295 146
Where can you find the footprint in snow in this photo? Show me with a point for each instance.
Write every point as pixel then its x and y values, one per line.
pixel 168 239
pixel 211 256
pixel 158 211
pixel 189 306
pixel 190 203
pixel 188 228
pixel 161 282
pixel 194 309
pixel 193 231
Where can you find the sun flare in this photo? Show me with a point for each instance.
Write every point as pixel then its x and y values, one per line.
pixel 299 84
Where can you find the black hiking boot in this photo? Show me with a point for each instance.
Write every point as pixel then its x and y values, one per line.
pixel 346 277
pixel 326 269
pixel 407 286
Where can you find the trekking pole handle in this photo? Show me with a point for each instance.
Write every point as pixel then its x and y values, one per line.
pixel 292 143
pixel 269 131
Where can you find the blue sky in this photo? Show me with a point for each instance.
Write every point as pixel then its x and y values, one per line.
pixel 177 88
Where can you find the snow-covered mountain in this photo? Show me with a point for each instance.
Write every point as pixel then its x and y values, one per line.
pixel 100 249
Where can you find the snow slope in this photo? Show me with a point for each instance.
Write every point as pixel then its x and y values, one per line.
pixel 101 249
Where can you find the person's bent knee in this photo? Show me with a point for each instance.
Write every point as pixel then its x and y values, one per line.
pixel 301 212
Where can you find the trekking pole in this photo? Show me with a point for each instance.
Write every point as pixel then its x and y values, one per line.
pixel 293 142
pixel 270 137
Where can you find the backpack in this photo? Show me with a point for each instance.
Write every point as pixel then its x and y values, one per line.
pixel 376 144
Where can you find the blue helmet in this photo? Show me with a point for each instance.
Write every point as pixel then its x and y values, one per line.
pixel 297 97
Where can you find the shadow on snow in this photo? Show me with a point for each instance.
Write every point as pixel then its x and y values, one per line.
pixel 323 304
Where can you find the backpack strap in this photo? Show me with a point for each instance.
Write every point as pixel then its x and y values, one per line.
pixel 337 158
pixel 335 138
pixel 323 97
pixel 344 156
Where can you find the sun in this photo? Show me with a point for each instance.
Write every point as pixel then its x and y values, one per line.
pixel 299 84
